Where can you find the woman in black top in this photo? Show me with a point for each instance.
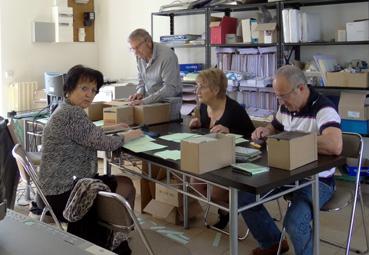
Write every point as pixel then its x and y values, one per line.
pixel 220 114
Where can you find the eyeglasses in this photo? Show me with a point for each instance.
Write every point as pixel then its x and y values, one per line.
pixel 137 47
pixel 285 96
pixel 201 87
pixel 86 89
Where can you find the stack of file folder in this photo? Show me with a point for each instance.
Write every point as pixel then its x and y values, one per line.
pixel 247 154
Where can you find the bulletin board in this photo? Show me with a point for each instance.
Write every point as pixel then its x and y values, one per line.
pixel 78 10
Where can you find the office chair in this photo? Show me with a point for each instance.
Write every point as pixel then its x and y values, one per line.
pixel 352 148
pixel 24 163
pixel 115 213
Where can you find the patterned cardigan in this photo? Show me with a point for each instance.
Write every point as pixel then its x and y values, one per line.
pixel 70 142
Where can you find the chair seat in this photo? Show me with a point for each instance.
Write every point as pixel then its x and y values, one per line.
pixel 35 157
pixel 340 199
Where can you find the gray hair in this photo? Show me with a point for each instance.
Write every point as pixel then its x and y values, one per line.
pixel 293 74
pixel 140 34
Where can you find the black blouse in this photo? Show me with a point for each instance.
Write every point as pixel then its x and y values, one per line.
pixel 235 118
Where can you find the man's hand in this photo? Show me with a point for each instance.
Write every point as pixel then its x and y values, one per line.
pixel 219 129
pixel 260 133
pixel 137 96
pixel 136 102
pixel 195 123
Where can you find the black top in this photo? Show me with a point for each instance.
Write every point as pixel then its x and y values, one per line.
pixel 234 118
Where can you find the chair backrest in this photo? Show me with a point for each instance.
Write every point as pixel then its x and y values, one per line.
pixel 352 145
pixel 23 162
pixel 114 212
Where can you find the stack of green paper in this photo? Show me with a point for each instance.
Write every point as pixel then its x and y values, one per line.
pixel 143 144
pixel 250 168
pixel 246 153
pixel 99 123
pixel 169 154
pixel 238 138
pixel 178 137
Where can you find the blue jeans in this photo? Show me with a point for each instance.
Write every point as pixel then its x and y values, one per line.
pixel 297 220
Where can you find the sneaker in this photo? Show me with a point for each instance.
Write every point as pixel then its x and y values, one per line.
pixel 223 220
pixel 271 250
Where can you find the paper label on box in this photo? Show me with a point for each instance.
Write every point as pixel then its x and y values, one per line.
pixel 352 114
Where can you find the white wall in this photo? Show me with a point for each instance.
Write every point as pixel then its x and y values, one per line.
pixel 28 61
pixel 115 19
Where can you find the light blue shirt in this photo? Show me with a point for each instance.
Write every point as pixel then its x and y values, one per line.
pixel 159 78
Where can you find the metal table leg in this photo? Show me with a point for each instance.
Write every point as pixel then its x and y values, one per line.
pixel 233 216
pixel 315 200
pixel 185 203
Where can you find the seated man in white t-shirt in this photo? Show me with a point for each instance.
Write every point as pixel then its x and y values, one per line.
pixel 301 109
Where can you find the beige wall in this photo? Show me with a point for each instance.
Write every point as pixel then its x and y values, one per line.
pixel 26 60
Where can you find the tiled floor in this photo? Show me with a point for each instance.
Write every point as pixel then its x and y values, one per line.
pixel 198 240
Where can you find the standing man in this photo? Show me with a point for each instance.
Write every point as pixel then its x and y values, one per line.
pixel 158 70
pixel 301 109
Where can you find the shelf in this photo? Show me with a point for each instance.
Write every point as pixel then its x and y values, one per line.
pixel 338 88
pixel 180 12
pixel 243 45
pixel 319 2
pixel 184 45
pixel 326 43
pixel 245 7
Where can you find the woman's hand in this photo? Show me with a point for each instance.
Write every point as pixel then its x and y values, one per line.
pixel 132 134
pixel 120 126
pixel 195 123
pixel 219 129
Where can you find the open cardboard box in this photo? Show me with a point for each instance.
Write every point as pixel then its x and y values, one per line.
pixel 198 154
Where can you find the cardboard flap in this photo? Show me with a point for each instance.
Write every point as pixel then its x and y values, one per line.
pixel 266 27
pixel 288 135
pixel 158 209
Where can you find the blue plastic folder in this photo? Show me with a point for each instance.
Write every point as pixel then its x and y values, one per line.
pixel 249 168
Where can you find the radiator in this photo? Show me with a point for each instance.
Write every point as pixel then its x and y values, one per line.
pixel 21 95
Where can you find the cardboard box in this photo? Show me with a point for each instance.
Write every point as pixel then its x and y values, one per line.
pixel 357 31
pixel 249 35
pixel 352 166
pixel 115 91
pixel 95 111
pixel 218 29
pixel 284 149
pixel 118 114
pixel 354 106
pixel 345 79
pixel 152 113
pixel 170 213
pixel 267 32
pixel 166 195
pixel 198 154
pixel 147 187
pixel 355 126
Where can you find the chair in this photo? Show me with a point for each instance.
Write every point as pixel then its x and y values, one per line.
pixel 34 157
pixel 112 210
pixel 26 165
pixel 352 148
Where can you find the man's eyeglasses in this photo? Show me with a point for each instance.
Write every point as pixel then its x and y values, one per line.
pixel 136 47
pixel 285 96
pixel 86 89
